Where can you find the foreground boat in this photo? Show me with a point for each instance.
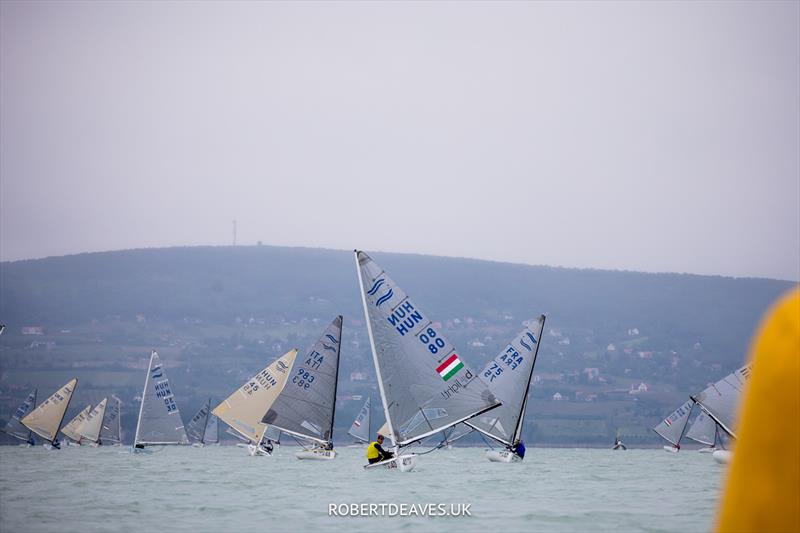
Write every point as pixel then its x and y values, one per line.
pixel 306 405
pixel 46 419
pixel 159 422
pixel 509 377
pixel 425 387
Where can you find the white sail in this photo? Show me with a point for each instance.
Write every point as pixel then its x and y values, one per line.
pixel 112 425
pixel 46 419
pixel 703 429
pixel 509 377
pixel 672 427
pixel 244 409
pixel 721 400
pixel 91 427
pixel 360 428
pixel 15 427
pixel 73 427
pixel 305 407
pixel 425 386
pixel 159 418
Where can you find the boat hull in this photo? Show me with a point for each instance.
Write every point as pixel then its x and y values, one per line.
pixel 707 449
pixel 316 455
pixel 502 456
pixel 722 456
pixel 671 449
pixel 258 451
pixel 403 463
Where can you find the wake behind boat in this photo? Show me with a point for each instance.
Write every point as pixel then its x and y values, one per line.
pixel 425 386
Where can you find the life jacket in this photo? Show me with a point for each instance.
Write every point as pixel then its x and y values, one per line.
pixel 372 451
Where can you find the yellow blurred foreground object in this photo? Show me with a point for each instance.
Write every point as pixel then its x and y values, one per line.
pixel 763 486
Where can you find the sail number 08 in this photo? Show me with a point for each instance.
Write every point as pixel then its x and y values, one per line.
pixel 428 338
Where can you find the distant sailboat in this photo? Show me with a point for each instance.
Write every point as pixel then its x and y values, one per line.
pixel 509 376
pixel 197 426
pixel 72 428
pixel 306 406
pixel 361 429
pixel 212 430
pixel 159 420
pixel 15 428
pixel 111 433
pixel 672 428
pixel 90 429
pixel 704 430
pixel 425 386
pixel 46 419
pixel 244 409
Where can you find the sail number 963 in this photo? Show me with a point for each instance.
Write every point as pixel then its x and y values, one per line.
pixel 429 338
pixel 303 378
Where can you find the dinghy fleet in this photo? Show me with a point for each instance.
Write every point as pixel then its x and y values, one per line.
pixel 427 392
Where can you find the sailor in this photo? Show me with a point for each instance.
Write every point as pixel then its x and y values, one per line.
pixel 268 446
pixel 375 453
pixel 519 449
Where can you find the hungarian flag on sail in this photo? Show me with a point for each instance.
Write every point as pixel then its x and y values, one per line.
pixel 450 367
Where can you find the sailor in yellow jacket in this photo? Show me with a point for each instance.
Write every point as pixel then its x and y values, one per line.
pixel 375 453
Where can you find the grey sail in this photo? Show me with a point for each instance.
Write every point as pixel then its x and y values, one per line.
pixel 703 429
pixel 721 400
pixel 197 426
pixel 361 425
pixel 212 430
pixel 425 386
pixel 110 433
pixel 15 427
pixel 159 417
pixel 509 376
pixel 305 407
pixel 672 427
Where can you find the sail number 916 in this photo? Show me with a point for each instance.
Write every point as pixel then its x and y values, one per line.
pixel 429 338
pixel 303 378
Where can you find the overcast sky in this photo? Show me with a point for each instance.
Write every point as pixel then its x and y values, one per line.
pixel 640 136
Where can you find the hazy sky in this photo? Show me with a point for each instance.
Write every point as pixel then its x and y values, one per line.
pixel 641 136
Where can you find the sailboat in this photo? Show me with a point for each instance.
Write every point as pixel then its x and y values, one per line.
pixel 70 430
pixel 305 407
pixel 90 429
pixel 672 428
pixel 111 432
pixel 720 402
pixel 46 419
pixel 244 409
pixel 197 426
pixel 360 429
pixel 212 431
pixel 509 377
pixel 15 428
pixel 425 386
pixel 159 421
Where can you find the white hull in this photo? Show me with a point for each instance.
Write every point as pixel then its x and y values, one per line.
pixel 707 449
pixel 503 456
pixel 403 463
pixel 316 455
pixel 722 456
pixel 258 451
pixel 671 449
pixel 198 445
pixel 71 443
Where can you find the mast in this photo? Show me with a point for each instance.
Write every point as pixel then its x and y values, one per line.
pixel 518 431
pixel 336 379
pixel 205 426
pixel 141 404
pixel 35 394
pixel 374 352
pixel 119 420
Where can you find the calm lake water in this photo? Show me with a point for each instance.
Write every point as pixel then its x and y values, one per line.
pixel 222 488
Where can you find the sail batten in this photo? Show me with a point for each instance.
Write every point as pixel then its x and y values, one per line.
pixel 159 417
pixel 305 407
pixel 46 419
pixel 425 386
